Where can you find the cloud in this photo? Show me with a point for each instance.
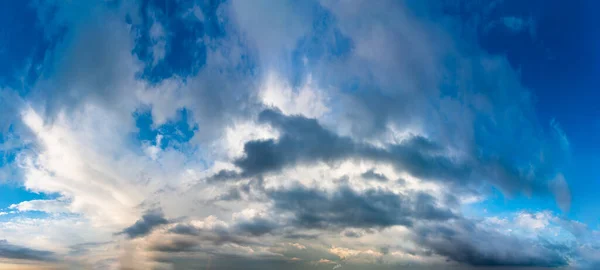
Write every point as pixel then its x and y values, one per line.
pixel 282 127
pixel 371 174
pixel 149 221
pixel 561 191
pixel 465 241
pixel 76 77
pixel 533 221
pixel 313 208
pixel 84 248
pixel 516 25
pixel 48 206
pixel 10 251
pixel 304 140
pixel 256 226
pixel 184 229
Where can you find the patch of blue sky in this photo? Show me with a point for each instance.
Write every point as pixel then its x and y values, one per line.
pixel 23 45
pixel 560 66
pixel 325 42
pixel 14 193
pixel 171 38
pixel 556 58
pixel 497 203
pixel 12 190
pixel 174 133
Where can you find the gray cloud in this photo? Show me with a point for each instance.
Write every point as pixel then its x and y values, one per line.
pixel 83 248
pixel 304 140
pixel 256 226
pixel 149 221
pixel 72 76
pixel 371 174
pixel 466 242
pixel 312 208
pixel 10 251
pixel 184 229
pixel 240 233
pixel 222 176
pixel 353 234
pixel 176 245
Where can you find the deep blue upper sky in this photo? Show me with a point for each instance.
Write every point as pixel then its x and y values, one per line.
pixel 560 63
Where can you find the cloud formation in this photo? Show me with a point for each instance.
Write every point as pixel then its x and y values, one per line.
pixel 146 224
pixel 347 209
pixel 270 135
pixel 10 251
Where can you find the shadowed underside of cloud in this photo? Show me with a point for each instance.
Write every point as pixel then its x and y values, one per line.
pixel 465 241
pixel 150 220
pixel 305 141
pixel 344 208
pixel 10 251
pixel 371 174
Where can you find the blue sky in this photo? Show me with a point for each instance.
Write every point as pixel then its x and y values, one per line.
pixel 314 134
pixel 560 65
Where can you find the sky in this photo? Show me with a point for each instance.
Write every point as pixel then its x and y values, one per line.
pixel 318 134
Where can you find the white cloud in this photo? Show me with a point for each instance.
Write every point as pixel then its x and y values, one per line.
pixel 306 100
pixel 158 38
pixel 533 221
pixel 48 206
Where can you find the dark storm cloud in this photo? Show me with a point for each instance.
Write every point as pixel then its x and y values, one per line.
pixel 10 251
pixel 466 242
pixel 146 224
pixel 312 208
pixel 371 174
